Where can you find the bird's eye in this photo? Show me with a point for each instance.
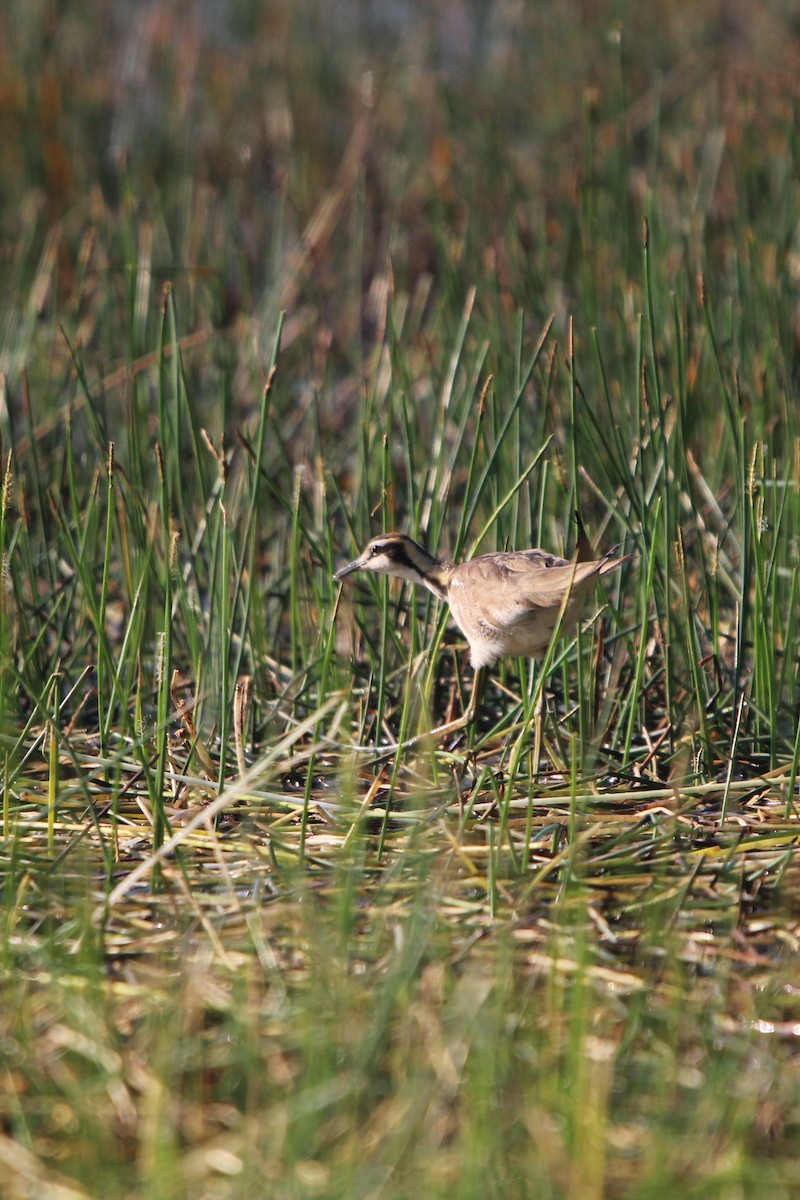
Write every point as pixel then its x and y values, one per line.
pixel 376 549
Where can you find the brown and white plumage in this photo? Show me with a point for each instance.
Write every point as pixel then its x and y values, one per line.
pixel 509 602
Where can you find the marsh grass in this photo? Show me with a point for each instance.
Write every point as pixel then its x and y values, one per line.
pixel 248 947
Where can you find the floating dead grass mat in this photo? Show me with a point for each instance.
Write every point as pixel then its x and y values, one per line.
pixel 607 870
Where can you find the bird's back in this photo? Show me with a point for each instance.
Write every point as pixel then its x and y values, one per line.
pixel 510 602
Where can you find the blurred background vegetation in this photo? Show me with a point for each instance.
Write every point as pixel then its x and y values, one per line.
pixel 264 156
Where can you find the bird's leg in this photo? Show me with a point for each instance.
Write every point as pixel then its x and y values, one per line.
pixel 440 731
pixel 538 728
pixel 476 695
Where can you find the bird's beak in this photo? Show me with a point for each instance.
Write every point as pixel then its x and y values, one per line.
pixel 343 572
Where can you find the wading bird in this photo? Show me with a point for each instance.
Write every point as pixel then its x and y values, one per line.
pixel 508 602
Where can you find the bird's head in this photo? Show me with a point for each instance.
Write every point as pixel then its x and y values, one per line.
pixel 395 554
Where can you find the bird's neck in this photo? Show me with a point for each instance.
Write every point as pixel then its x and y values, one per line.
pixel 432 573
pixel 436 580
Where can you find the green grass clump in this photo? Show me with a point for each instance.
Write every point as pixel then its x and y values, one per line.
pixel 273 285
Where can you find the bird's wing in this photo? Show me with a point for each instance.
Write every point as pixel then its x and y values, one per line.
pixel 506 588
